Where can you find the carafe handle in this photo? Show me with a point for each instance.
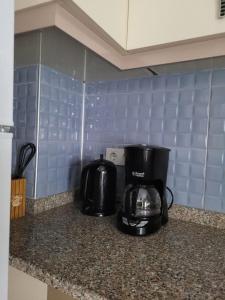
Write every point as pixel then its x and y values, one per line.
pixel 172 198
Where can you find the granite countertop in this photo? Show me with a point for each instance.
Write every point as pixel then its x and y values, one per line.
pixel 88 258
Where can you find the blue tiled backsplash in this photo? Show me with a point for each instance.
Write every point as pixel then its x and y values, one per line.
pixel 59 133
pixel 25 117
pixel 53 123
pixel 183 112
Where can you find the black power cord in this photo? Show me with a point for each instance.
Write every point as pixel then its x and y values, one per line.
pixel 152 71
pixel 26 154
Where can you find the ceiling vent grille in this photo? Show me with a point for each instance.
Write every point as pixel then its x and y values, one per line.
pixel 222 8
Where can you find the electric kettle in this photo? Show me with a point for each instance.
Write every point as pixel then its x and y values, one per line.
pixel 98 188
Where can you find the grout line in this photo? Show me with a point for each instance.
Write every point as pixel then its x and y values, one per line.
pixel 38 115
pixel 83 110
pixel 207 141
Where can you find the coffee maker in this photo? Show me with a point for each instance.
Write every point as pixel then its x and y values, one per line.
pixel 144 206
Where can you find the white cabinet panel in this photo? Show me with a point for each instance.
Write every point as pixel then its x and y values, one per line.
pixel 110 15
pixel 154 22
pixel 5 174
pixel 6 118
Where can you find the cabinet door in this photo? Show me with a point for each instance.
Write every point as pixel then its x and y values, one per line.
pixel 154 22
pixel 25 287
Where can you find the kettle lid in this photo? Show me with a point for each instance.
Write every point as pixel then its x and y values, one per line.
pixel 102 162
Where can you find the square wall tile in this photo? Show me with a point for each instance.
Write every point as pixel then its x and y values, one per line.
pixel 187 80
pixel 203 79
pixel 218 77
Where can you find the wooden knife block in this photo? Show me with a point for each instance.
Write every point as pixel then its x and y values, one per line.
pixel 18 198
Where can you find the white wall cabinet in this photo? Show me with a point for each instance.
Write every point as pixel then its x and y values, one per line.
pixel 136 24
pixel 154 23
pixel 150 32
pixel 110 15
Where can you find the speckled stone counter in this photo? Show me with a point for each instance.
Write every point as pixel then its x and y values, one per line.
pixel 88 258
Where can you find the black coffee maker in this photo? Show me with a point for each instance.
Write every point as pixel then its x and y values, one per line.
pixel 144 205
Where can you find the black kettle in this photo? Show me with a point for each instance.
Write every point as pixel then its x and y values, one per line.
pixel 98 188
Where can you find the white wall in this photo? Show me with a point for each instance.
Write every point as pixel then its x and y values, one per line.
pixel 111 15
pixel 154 22
pixel 21 4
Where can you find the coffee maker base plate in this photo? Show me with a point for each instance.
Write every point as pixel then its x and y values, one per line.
pixel 97 214
pixel 153 225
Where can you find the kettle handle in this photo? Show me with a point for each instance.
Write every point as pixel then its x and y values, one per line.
pixel 84 183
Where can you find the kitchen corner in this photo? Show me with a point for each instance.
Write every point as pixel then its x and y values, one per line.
pixel 88 258
pixel 115 145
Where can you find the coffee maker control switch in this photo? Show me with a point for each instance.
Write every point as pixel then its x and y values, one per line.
pixel 115 155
